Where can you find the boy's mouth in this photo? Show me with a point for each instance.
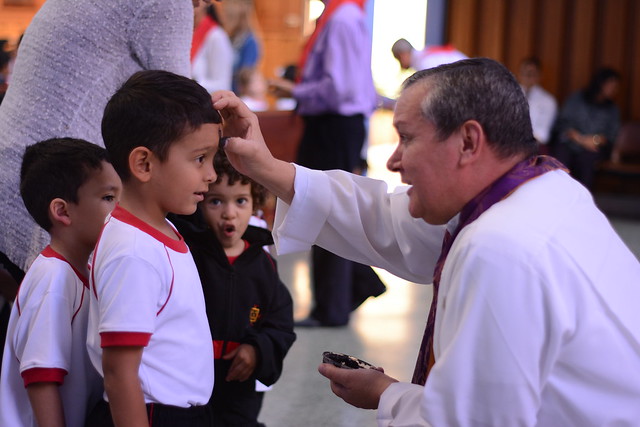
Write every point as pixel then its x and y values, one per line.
pixel 229 229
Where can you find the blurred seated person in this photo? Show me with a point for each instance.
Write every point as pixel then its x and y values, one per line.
pixel 587 126
pixel 542 105
pixel 252 89
pixel 431 56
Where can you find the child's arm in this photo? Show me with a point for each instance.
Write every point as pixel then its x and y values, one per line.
pixel 122 384
pixel 46 404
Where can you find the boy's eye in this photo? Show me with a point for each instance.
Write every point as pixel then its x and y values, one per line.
pixel 214 202
pixel 242 201
pixel 109 198
pixel 200 159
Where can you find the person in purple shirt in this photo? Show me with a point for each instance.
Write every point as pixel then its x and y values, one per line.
pixel 335 94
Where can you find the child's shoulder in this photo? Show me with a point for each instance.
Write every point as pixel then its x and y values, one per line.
pixel 49 275
pixel 124 235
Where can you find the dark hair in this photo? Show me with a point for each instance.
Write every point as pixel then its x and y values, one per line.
pixel 598 80
pixel 56 168
pixel 5 58
pixel 213 13
pixel 478 89
pixel 153 109
pixel 290 72
pixel 224 170
pixel 532 60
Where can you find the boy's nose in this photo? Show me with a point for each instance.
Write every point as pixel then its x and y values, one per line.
pixel 211 175
pixel 228 212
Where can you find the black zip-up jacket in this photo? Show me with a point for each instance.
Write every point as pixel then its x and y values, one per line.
pixel 246 303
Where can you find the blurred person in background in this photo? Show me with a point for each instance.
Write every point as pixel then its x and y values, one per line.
pixel 542 105
pixel 587 126
pixel 211 51
pixel 335 95
pixel 431 56
pixel 246 48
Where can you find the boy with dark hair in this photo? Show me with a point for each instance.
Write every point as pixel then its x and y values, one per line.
pixel 68 187
pixel 250 310
pixel 148 332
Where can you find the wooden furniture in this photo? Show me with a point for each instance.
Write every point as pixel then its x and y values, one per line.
pixel 621 174
pixel 282 131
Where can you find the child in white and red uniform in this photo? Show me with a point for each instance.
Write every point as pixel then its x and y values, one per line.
pixel 68 187
pixel 148 332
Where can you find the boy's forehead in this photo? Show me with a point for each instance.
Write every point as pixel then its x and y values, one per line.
pixel 205 137
pixel 103 177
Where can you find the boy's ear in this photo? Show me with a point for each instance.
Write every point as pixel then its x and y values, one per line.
pixel 59 212
pixel 140 163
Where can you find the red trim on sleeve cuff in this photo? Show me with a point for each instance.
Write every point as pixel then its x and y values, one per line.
pixel 123 339
pixel 43 375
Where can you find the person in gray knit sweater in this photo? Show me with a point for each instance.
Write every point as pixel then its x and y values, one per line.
pixel 73 57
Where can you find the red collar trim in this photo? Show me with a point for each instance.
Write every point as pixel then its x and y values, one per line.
pixel 206 24
pixel 439 49
pixel 127 217
pixel 49 252
pixel 233 259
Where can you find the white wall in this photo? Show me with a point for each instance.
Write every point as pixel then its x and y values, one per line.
pixel 394 19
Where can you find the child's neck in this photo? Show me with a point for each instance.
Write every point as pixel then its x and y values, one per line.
pixel 236 249
pixel 75 254
pixel 148 212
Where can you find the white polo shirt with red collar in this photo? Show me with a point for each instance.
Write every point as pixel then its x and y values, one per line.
pixel 46 343
pixel 145 291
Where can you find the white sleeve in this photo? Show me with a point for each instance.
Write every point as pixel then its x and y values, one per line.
pixel 44 335
pixel 130 292
pixel 400 406
pixel 356 218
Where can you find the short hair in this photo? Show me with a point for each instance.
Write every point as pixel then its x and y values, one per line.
pixel 153 109
pixel 56 168
pixel 532 60
pixel 598 80
pixel 478 89
pixel 401 46
pixel 224 169
pixel 5 58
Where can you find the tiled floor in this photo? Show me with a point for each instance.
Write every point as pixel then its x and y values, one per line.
pixel 385 331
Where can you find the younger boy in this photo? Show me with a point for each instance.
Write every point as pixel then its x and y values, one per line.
pixel 148 332
pixel 250 310
pixel 68 188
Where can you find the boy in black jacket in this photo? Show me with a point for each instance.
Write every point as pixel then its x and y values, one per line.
pixel 250 310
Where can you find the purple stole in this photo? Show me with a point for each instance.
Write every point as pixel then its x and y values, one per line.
pixel 524 171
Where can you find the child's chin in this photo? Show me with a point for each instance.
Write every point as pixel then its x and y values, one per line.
pixel 186 210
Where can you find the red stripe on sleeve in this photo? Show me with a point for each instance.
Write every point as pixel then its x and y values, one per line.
pixel 43 375
pixel 123 339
